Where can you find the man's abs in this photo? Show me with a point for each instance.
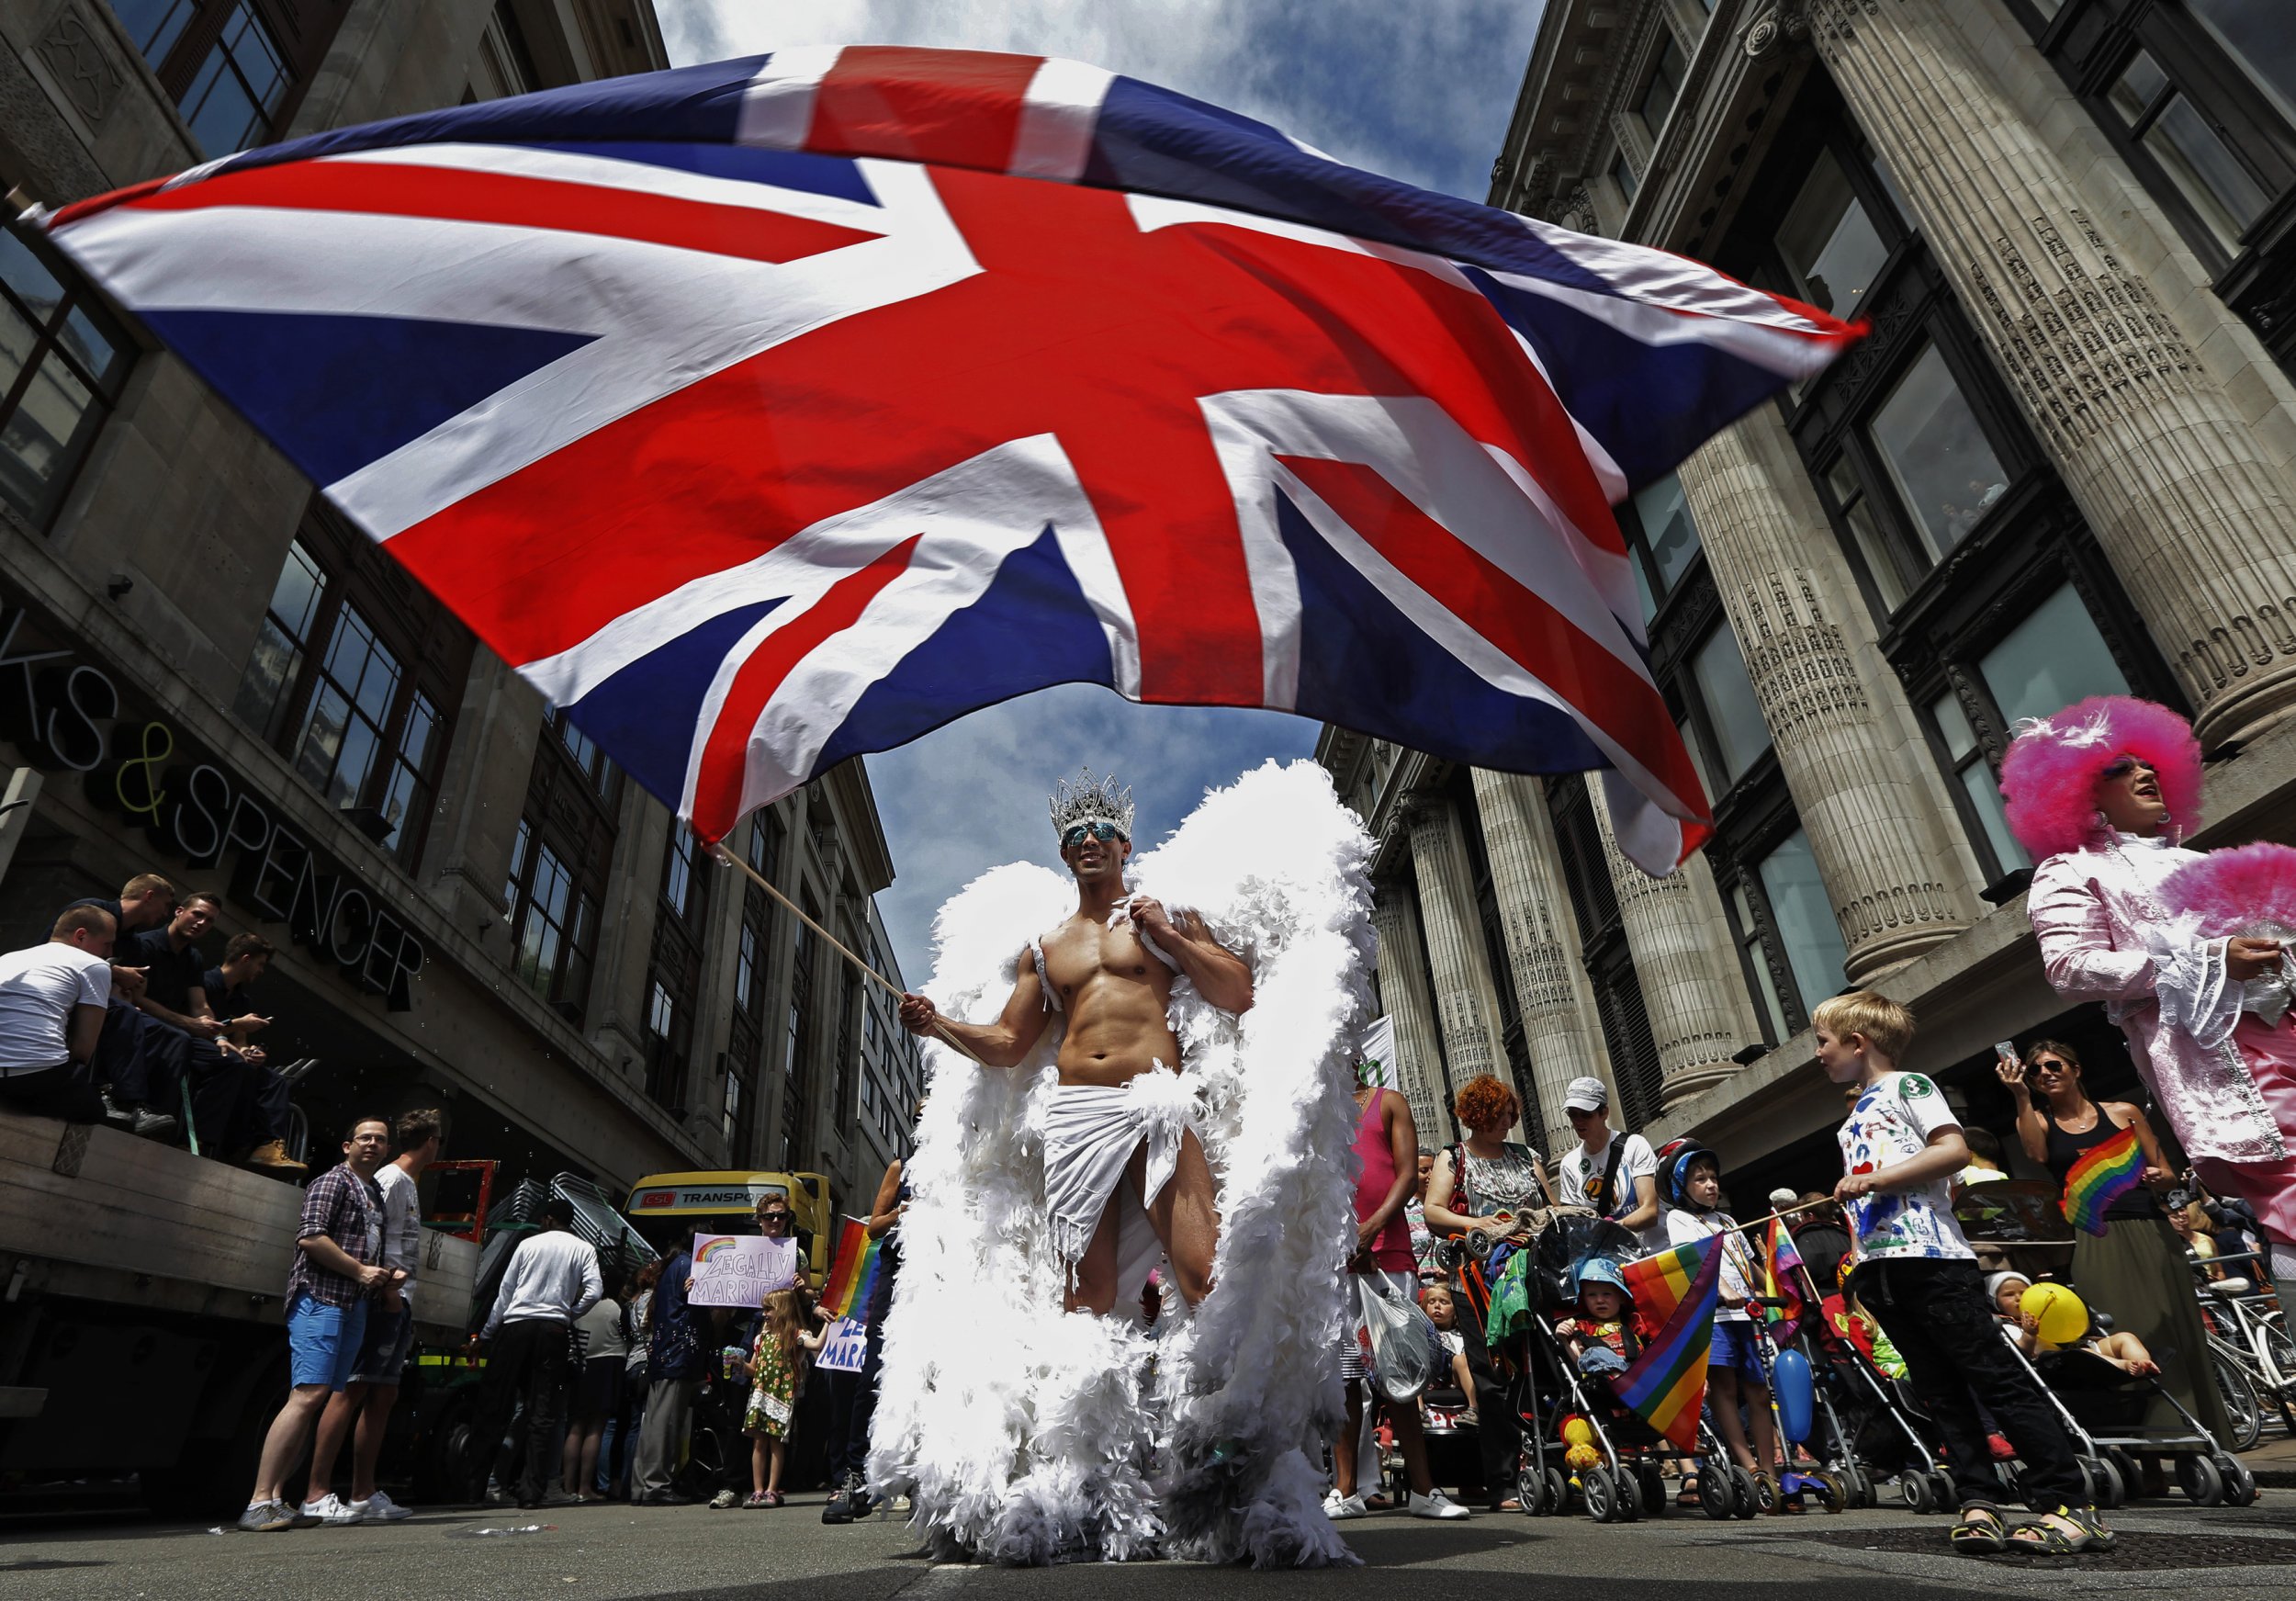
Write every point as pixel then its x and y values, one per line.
pixel 1117 1031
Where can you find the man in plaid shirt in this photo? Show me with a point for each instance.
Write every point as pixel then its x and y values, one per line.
pixel 338 1255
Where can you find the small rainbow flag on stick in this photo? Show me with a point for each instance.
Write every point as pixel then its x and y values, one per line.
pixel 1667 1383
pixel 1779 1261
pixel 854 1272
pixel 2105 1173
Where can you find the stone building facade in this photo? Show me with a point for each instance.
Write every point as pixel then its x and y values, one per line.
pixel 2062 463
pixel 209 674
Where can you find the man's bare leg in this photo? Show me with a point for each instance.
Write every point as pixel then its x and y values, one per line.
pixel 1186 1217
pixel 1092 1288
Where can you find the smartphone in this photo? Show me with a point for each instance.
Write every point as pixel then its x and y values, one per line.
pixel 2007 1051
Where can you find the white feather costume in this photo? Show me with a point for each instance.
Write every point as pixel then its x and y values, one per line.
pixel 1023 1435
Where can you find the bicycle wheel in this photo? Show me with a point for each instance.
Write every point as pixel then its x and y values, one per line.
pixel 2242 1409
pixel 2276 1359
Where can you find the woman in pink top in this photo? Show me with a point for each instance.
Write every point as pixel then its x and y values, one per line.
pixel 1387 1143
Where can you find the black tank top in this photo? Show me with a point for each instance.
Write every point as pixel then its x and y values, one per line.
pixel 2065 1149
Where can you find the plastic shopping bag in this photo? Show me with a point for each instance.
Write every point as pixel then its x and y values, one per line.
pixel 1406 1351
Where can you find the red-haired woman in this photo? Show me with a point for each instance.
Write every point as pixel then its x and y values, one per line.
pixel 2100 794
pixel 1481 1186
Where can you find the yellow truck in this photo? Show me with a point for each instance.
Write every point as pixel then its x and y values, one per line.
pixel 726 1203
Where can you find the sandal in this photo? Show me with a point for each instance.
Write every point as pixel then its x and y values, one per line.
pixel 757 1499
pixel 2049 1536
pixel 772 1498
pixel 1980 1532
pixel 1688 1494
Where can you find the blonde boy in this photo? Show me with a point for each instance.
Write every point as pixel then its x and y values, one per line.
pixel 1916 1275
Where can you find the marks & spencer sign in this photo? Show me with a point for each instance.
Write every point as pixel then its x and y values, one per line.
pixel 66 716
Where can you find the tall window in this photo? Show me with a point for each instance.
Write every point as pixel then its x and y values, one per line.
pixel 1736 735
pixel 798 1040
pixel 352 673
pixel 234 67
pixel 1803 915
pixel 1626 1037
pixel 63 362
pixel 1829 244
pixel 1663 85
pixel 1663 539
pixel 558 868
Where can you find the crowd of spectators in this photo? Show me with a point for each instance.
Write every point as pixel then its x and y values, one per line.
pixel 117 1017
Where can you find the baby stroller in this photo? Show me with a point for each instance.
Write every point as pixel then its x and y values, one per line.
pixel 2103 1406
pixel 1872 1421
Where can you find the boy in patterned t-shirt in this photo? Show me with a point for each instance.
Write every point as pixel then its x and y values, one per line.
pixel 1917 1276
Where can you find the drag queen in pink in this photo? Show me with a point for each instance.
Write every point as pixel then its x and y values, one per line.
pixel 2099 795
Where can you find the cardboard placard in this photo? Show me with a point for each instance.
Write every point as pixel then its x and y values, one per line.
pixel 740 1270
pixel 846 1347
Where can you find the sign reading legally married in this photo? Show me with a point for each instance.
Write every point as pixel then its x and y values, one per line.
pixel 740 1270
pixel 846 1350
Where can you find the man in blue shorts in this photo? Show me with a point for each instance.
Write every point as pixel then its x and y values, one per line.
pixel 338 1265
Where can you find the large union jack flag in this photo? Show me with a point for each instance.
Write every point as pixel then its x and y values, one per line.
pixel 771 411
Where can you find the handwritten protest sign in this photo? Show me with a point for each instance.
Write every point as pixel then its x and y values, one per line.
pixel 847 1345
pixel 740 1270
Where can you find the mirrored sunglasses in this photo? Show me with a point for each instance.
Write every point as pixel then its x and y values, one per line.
pixel 1102 832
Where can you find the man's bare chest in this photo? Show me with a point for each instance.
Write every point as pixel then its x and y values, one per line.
pixel 1080 954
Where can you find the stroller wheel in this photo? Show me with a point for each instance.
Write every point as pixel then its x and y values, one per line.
pixel 1630 1497
pixel 2103 1479
pixel 1745 1494
pixel 1602 1494
pixel 1716 1496
pixel 1558 1500
pixel 1653 1483
pixel 1530 1489
pixel 1833 1490
pixel 1918 1493
pixel 2240 1484
pixel 2201 1481
pixel 1942 1488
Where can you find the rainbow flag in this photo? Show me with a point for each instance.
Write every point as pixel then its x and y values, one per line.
pixel 1779 1262
pixel 1667 1383
pixel 854 1272
pixel 2105 1173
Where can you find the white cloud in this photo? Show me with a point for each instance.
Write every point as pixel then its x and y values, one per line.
pixel 1420 91
pixel 971 795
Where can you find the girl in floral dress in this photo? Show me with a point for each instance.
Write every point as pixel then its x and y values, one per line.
pixel 777 1361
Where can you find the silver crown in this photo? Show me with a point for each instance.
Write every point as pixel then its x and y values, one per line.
pixel 1086 799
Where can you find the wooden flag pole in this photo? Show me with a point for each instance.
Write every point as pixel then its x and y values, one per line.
pixel 727 859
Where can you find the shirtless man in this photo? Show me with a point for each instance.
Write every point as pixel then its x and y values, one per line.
pixel 1118 1132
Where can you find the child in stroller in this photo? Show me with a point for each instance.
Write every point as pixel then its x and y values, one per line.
pixel 1442 1309
pixel 2124 1351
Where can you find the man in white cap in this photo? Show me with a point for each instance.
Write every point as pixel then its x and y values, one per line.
pixel 1616 1174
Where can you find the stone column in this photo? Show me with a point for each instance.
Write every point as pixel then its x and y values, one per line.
pixel 2199 522
pixel 1560 1024
pixel 1465 1001
pixel 1696 1011
pixel 1897 884
pixel 1403 994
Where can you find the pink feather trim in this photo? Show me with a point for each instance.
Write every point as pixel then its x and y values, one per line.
pixel 2049 776
pixel 2235 889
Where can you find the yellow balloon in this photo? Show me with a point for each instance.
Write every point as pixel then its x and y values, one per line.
pixel 1578 1432
pixel 2063 1317
pixel 1581 1457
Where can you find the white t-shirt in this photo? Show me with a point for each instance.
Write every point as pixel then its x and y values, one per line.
pixel 1893 1121
pixel 1683 1228
pixel 402 1224
pixel 39 988
pixel 1578 1170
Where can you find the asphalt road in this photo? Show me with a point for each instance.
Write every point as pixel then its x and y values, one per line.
pixel 610 1554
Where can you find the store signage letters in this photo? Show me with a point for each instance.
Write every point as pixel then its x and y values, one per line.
pixel 200 811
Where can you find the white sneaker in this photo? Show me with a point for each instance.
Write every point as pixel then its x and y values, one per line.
pixel 380 1508
pixel 332 1510
pixel 1339 1508
pixel 1436 1504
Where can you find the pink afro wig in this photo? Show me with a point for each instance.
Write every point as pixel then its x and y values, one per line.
pixel 2235 890
pixel 2049 776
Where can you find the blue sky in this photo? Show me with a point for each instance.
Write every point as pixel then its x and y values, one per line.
pixel 1419 90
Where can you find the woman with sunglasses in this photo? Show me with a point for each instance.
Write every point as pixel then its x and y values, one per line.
pixel 2136 1270
pixel 2099 795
